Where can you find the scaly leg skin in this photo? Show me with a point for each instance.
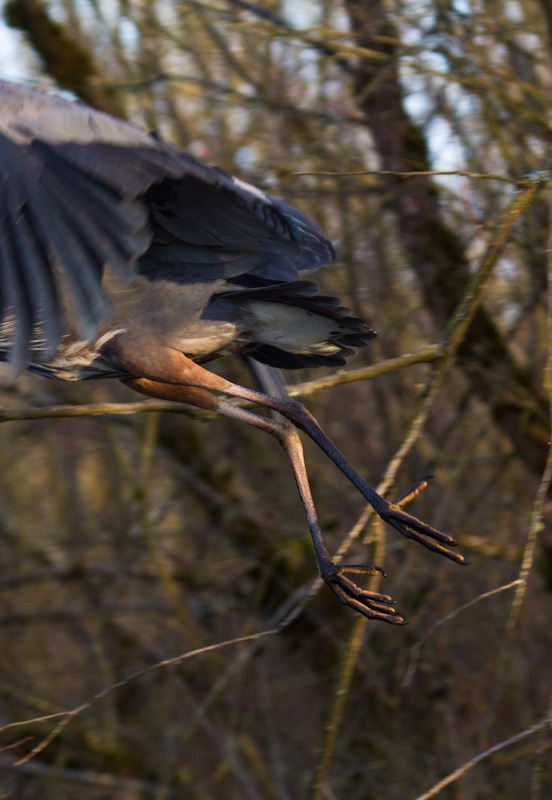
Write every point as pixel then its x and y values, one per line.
pixel 168 374
pixel 350 594
pixel 393 513
pixel 372 605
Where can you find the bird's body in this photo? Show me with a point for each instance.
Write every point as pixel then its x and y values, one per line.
pixel 122 256
pixel 220 257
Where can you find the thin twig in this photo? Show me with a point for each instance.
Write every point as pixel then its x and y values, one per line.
pixel 536 524
pixel 428 173
pixel 425 355
pixel 66 717
pixel 416 649
pixel 537 777
pixel 519 737
pixel 454 335
pixel 345 678
pixel 127 786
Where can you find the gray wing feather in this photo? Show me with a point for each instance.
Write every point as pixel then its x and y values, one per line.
pixel 17 318
pixel 236 231
pixel 80 190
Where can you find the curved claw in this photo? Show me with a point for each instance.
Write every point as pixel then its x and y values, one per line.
pixel 370 604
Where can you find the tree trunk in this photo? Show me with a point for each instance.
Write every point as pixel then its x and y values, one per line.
pixel 516 398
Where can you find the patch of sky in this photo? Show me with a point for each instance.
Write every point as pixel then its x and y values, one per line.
pixel 128 34
pixel 13 66
pixel 246 157
pixel 412 34
pixel 462 7
pixel 513 11
pixel 446 151
pixel 301 13
pixel 238 120
pixel 299 61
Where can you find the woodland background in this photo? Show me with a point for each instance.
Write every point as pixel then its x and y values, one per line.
pixel 128 540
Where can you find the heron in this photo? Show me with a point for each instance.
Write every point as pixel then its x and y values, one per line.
pixel 122 256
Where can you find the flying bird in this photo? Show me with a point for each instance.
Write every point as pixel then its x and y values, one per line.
pixel 124 257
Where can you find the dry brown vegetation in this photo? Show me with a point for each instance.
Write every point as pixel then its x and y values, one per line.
pixel 131 540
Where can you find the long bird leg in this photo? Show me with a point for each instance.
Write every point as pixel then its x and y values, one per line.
pixel 371 604
pixel 170 366
pixel 392 513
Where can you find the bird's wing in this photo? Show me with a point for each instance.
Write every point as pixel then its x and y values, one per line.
pixel 205 230
pixel 81 189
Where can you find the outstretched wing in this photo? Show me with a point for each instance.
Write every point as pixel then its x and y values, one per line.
pixel 81 190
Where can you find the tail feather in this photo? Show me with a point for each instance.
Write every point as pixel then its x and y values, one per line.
pixel 283 359
pixel 291 326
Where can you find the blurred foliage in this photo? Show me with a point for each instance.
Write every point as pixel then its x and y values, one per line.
pixel 125 541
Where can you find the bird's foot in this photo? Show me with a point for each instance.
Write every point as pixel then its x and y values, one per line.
pixel 413 528
pixel 371 604
pixel 380 606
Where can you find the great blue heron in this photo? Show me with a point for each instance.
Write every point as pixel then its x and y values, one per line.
pixel 122 256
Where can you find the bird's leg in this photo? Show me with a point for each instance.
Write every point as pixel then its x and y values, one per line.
pixel 393 513
pixel 170 366
pixel 371 604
